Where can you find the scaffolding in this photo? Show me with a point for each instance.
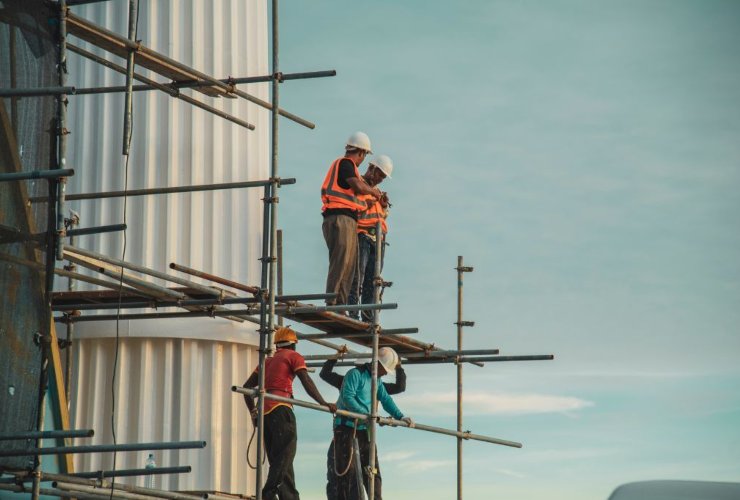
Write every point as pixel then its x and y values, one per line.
pixel 119 288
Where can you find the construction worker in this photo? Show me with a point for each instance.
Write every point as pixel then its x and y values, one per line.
pixel 328 375
pixel 340 208
pixel 279 422
pixel 355 396
pixel 379 168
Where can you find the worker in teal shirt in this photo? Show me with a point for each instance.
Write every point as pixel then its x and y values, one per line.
pixel 355 396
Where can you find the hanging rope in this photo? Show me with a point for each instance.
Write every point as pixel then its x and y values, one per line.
pixel 351 454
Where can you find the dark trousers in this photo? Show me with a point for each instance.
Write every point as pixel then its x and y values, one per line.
pixel 281 439
pixel 340 234
pixel 345 487
pixel 362 286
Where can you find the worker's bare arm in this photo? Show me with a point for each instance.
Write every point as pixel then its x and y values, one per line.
pixel 312 390
pixel 251 382
pixel 359 186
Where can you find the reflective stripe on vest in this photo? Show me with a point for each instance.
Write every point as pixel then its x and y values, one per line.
pixel 335 196
pixel 369 218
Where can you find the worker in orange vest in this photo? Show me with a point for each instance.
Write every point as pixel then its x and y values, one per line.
pixel 379 168
pixel 340 194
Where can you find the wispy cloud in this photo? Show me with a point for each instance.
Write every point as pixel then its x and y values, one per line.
pixel 424 465
pixel 395 456
pixel 497 403
pixel 510 473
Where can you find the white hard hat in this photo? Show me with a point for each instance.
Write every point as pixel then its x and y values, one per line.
pixel 389 359
pixel 360 140
pixel 384 163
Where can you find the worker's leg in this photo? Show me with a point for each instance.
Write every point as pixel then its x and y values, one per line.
pixel 280 444
pixel 368 277
pixel 340 234
pixel 331 478
pixel 363 263
pixel 363 440
pixel 343 469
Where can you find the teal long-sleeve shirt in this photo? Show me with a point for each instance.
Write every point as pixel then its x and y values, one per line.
pixel 355 396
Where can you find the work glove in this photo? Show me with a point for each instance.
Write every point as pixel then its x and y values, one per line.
pixel 408 422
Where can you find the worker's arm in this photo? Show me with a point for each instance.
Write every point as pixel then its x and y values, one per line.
pixel 250 383
pixel 312 390
pixel 388 404
pixel 327 374
pixel 359 186
pixel 399 385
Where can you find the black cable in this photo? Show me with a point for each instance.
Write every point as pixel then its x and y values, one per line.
pixel 120 291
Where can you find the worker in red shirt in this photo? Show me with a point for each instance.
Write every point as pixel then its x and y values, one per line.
pixel 281 438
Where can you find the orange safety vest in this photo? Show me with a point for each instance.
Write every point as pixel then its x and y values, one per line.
pixel 367 220
pixel 335 196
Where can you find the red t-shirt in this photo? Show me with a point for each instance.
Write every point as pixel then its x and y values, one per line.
pixel 280 371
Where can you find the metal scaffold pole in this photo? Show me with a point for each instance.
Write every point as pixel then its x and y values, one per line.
pixel 460 324
pixel 378 282
pixel 267 321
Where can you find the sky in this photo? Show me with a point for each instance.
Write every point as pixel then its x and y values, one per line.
pixel 584 157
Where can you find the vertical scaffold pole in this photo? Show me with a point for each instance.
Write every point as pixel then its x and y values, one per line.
pixel 61 183
pixel 378 282
pixel 460 324
pixel 57 242
pixel 133 14
pixel 280 268
pixel 269 251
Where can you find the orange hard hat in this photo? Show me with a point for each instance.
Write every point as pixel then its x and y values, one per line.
pixel 285 335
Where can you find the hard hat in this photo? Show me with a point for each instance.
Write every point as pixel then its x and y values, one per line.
pixel 389 359
pixel 384 163
pixel 359 140
pixel 285 335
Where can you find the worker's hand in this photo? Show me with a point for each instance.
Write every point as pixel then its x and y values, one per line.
pixel 377 194
pixel 332 407
pixel 408 422
pixel 384 200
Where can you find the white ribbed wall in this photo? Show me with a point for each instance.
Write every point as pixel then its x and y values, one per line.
pixel 175 375
pixel 168 390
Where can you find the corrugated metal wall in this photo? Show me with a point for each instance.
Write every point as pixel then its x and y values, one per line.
pixel 168 390
pixel 169 387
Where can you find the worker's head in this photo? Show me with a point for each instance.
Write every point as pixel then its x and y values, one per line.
pixel 387 361
pixel 379 168
pixel 358 147
pixel 285 337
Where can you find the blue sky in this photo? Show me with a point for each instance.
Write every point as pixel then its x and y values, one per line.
pixel 584 157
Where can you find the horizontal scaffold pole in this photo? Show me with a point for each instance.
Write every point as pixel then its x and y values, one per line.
pixel 73 433
pixel 411 355
pixel 112 228
pixel 181 84
pixel 381 420
pixel 104 448
pixel 239 313
pixel 37 174
pixel 355 333
pixel 164 190
pixel 348 335
pixel 185 469
pixel 455 359
pixel 153 304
